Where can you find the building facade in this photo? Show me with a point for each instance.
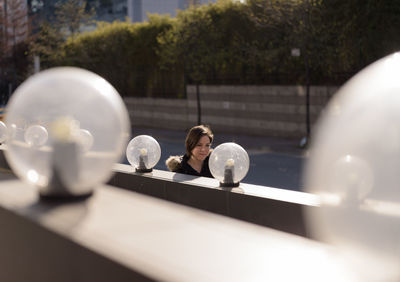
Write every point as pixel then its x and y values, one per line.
pixel 138 9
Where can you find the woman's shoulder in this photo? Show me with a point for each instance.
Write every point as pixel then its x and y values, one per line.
pixel 205 170
pixel 174 163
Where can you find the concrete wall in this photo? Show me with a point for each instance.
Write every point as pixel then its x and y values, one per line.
pixel 118 235
pixel 125 235
pixel 255 110
pixel 279 209
pixel 275 208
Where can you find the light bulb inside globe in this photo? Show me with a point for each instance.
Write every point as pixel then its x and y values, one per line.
pixel 229 163
pixel 67 128
pixel 57 152
pixel 63 128
pixel 143 153
pixel 354 168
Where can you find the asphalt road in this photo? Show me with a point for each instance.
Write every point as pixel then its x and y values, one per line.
pixel 276 170
pixel 274 162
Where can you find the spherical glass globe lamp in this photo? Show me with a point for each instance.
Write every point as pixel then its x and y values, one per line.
pixel 354 167
pixel 69 127
pixel 143 153
pixel 36 136
pixel 229 163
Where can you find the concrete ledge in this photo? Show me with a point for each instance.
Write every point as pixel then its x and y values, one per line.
pixel 271 207
pixel 117 235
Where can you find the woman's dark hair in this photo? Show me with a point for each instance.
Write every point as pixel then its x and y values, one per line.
pixel 194 135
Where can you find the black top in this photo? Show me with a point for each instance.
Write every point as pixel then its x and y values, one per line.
pixel 187 169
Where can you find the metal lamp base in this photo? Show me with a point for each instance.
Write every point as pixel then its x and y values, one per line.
pixel 64 172
pixel 64 197
pixel 221 184
pixel 143 170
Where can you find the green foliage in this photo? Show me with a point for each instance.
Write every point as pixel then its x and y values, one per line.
pixel 46 45
pixel 123 53
pixel 279 27
pixel 230 42
pixel 72 14
pixel 365 30
pixel 106 4
pixel 208 41
pixel 48 41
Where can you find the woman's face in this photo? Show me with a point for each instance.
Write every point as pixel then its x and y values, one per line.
pixel 202 148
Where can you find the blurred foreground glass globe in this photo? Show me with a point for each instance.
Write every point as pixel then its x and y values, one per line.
pixel 354 167
pixel 143 153
pixel 3 132
pixel 69 126
pixel 229 163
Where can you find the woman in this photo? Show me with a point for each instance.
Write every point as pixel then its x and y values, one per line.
pixel 195 161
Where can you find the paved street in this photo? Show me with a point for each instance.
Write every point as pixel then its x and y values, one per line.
pixel 274 162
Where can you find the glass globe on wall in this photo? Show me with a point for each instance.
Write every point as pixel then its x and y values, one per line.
pixel 229 163
pixel 70 126
pixel 143 153
pixel 354 168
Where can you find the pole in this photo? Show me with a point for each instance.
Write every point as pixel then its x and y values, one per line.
pixel 198 104
pixel 5 25
pixel 307 68
pixel 36 64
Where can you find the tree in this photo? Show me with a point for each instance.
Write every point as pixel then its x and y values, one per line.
pixel 105 4
pixel 208 42
pixel 205 43
pixel 72 15
pixel 365 30
pixel 14 24
pixel 47 44
pixel 125 55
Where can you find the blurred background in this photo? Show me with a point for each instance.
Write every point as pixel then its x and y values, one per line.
pixel 150 48
pixel 259 72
